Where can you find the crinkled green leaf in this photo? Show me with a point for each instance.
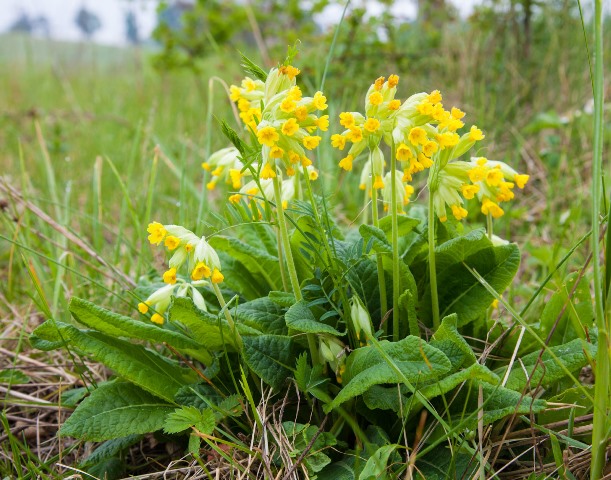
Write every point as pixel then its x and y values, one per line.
pixel 145 368
pixel 300 318
pixel 270 357
pixel 284 299
pixel 572 355
pixel 443 464
pixel 117 325
pixel 258 262
pixel 366 367
pixel 13 377
pixel 262 314
pixel 450 341
pixel 116 409
pixel 458 290
pixel 110 448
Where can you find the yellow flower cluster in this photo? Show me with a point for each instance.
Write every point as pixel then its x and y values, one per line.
pixel 201 259
pixel 286 125
pixel 225 165
pixel 423 133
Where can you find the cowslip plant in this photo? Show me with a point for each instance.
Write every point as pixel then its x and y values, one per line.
pixel 234 318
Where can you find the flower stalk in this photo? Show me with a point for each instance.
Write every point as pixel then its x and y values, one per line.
pixel 381 278
pixel 432 267
pixel 396 275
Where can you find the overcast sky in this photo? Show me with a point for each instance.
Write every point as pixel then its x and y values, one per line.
pixel 61 14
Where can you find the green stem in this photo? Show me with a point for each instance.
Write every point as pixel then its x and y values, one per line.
pixel 489 226
pixel 290 263
pixel 223 304
pixel 350 420
pixel 432 268
pixel 602 314
pixel 396 276
pixel 381 278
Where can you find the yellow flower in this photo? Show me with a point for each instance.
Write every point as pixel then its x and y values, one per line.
pixel 404 153
pixel 170 276
pixel 288 105
pixel 417 136
pixel 393 81
pixel 469 191
pixel 457 113
pixel 378 182
pixel 376 98
pixel 434 97
pixel 301 113
pixel 143 307
pixel 521 180
pixel 323 123
pixel 157 232
pixel 475 134
pixel 158 319
pixel 268 136
pixel 319 101
pixel 379 83
pixel 371 125
pixel 276 152
pixel 489 207
pixel 346 163
pixel 494 177
pixel 459 212
pixel 311 142
pixel 394 104
pixel 346 119
pixel 289 71
pixel 355 135
pixel 338 141
pixel 217 276
pixel 200 271
pixel 171 242
pixel 268 171
pixel 429 148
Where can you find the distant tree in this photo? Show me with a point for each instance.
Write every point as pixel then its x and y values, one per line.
pixel 131 28
pixel 23 24
pixel 88 22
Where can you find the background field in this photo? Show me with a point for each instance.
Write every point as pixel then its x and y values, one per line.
pixel 95 142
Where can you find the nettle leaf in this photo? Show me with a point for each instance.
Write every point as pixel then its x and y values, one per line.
pixel 398 400
pixel 300 318
pixel 366 367
pixel 458 290
pixel 269 356
pixel 145 368
pixel 262 314
pixel 117 325
pixel 201 395
pixel 573 355
pixel 210 331
pixel 258 262
pixel 184 418
pixel 450 341
pixel 116 409
pixel 309 378
pixel 302 436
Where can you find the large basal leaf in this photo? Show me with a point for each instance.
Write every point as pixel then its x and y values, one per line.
pixel 270 357
pixel 573 355
pixel 210 331
pixel 366 367
pixel 450 341
pixel 116 409
pixel 299 318
pixel 390 398
pixel 143 367
pixel 443 464
pixel 262 314
pixel 459 291
pixel 258 262
pixel 111 448
pixel 117 325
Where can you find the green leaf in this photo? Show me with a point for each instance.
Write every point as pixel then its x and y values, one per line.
pixel 375 468
pixel 184 418
pixel 309 378
pixel 210 331
pixel 262 314
pixel 573 355
pixel 116 409
pixel 389 398
pixel 13 377
pixel 145 368
pixel 443 464
pixel 111 448
pixel 284 299
pixel 259 263
pixel 366 367
pixel 406 225
pixel 300 318
pixel 117 325
pixel 269 356
pixel 459 291
pixel 449 341
pixel 252 68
